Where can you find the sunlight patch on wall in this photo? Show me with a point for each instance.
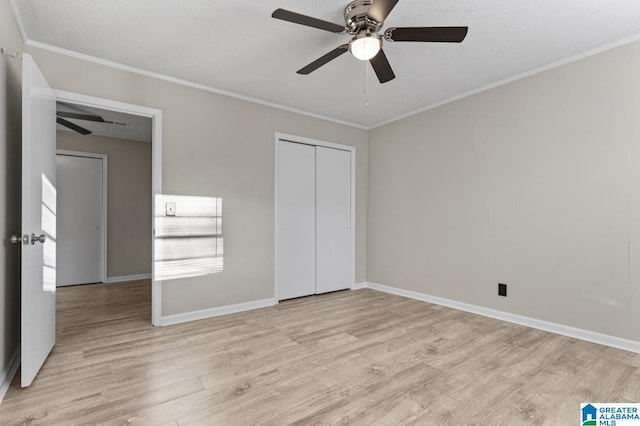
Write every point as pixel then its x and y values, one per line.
pixel 49 195
pixel 188 236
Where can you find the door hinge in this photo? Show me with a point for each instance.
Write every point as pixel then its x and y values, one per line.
pixel 9 53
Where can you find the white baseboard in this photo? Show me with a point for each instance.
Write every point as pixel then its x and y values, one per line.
pixel 216 312
pixel 123 278
pixel 8 373
pixel 565 330
pixel 359 286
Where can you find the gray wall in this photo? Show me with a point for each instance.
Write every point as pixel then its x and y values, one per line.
pixel 10 125
pixel 535 184
pixel 129 199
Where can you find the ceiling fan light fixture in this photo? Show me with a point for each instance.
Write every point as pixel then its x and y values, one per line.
pixel 365 46
pixel 364 20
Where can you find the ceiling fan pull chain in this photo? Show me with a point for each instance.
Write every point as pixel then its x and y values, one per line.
pixel 366 83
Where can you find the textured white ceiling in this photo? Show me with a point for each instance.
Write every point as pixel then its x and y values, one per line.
pixel 235 46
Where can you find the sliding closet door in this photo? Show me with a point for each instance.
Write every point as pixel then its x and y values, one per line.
pixel 333 219
pixel 296 220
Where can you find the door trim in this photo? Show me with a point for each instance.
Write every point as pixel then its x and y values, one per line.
pixel 315 142
pixel 156 169
pixel 105 187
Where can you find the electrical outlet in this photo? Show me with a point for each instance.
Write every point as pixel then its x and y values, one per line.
pixel 502 290
pixel 170 209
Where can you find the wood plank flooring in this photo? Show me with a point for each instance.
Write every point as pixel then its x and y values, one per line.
pixel 352 357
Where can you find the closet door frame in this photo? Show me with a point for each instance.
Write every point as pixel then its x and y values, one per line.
pixel 314 142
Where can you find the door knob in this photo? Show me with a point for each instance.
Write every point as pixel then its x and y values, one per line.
pixel 34 238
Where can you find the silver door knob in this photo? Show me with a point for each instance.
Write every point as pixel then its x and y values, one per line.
pixel 15 239
pixel 34 238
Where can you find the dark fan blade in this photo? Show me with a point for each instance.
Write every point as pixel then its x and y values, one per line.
pixel 324 59
pixel 297 18
pixel 78 116
pixel 382 67
pixel 380 9
pixel 72 126
pixel 434 34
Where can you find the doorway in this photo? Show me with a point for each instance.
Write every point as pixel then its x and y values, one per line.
pixel 155 117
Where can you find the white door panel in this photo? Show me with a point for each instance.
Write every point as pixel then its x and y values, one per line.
pixel 80 220
pixel 333 219
pixel 38 266
pixel 295 201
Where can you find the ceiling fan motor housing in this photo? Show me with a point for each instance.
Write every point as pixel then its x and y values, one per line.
pixel 355 15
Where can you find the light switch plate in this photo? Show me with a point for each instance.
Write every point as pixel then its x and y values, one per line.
pixel 170 209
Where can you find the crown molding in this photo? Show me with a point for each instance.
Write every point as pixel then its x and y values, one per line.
pixel 508 80
pixel 179 81
pixel 18 19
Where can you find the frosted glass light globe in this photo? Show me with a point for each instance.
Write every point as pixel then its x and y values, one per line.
pixel 365 47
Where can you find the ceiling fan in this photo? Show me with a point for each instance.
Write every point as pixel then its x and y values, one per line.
pixel 364 19
pixel 62 115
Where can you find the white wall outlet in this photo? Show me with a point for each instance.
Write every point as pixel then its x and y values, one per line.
pixel 170 209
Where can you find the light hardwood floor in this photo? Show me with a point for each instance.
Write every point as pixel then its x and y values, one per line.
pixel 353 357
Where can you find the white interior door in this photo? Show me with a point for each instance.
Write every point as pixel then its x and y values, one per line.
pixel 333 219
pixel 38 328
pixel 80 233
pixel 296 220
